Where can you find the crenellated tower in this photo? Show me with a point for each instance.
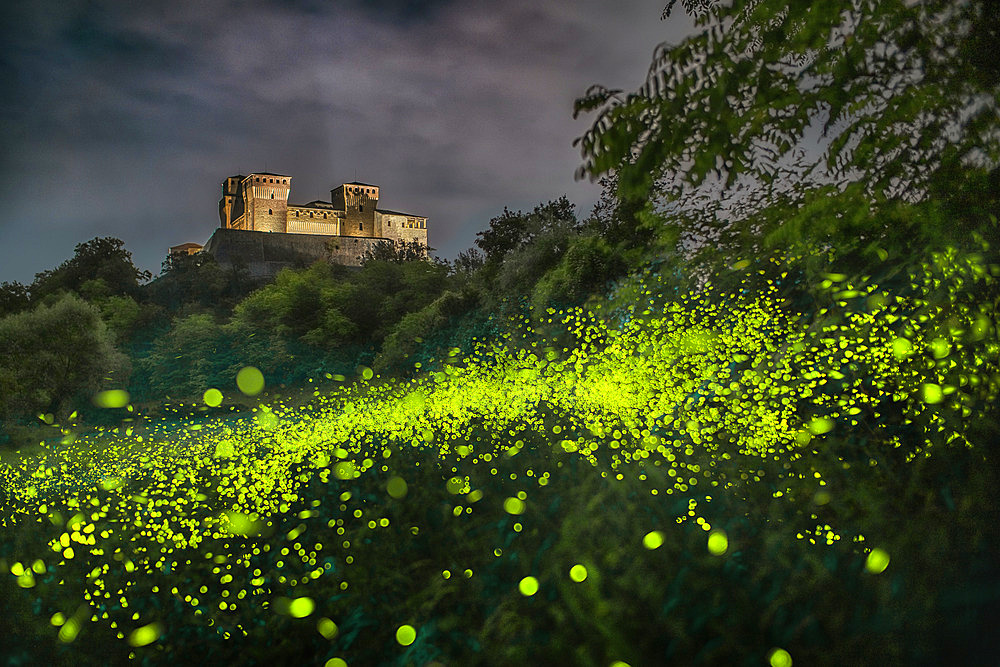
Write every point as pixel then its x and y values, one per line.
pixel 358 201
pixel 256 202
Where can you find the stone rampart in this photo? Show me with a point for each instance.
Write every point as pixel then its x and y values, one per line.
pixel 264 253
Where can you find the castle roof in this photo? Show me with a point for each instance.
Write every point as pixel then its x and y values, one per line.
pixel 412 215
pixel 367 185
pixel 319 203
pixel 268 173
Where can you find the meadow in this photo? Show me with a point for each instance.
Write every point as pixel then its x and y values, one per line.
pixel 700 478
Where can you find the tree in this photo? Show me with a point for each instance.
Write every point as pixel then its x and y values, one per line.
pixel 510 231
pixel 55 353
pixel 104 259
pixel 14 298
pixel 401 251
pixel 199 282
pixel 906 92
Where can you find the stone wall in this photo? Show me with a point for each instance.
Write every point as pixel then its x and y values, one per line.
pixel 265 253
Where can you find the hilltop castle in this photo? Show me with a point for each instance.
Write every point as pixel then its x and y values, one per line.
pixel 262 231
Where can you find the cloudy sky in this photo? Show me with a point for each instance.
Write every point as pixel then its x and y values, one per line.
pixel 121 118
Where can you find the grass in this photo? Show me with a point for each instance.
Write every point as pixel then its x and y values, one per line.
pixel 714 482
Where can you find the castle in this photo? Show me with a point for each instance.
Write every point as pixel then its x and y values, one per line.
pixel 262 231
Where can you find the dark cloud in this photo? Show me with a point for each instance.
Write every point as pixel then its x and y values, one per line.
pixel 122 118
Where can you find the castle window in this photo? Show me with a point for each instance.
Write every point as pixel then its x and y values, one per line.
pixel 361 226
pixel 272 195
pixel 361 208
pixel 270 212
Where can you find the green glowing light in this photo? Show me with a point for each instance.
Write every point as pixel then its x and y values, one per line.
pixel 301 607
pixel 513 506
pixel 877 561
pixel 224 449
pixel 902 348
pixel 250 380
pixel 238 523
pixel 653 540
pixel 145 635
pixel 820 425
pixel 69 631
pixel 578 573
pixel 212 398
pixel 327 628
pixel 335 662
pixel 931 393
pixel 718 543
pixel 406 635
pixel 779 657
pixel 396 488
pixel 112 398
pixel 528 586
pixel 345 470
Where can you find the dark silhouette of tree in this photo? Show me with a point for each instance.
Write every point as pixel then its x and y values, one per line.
pixel 393 251
pixel 104 259
pixel 510 231
pixel 905 91
pixel 14 298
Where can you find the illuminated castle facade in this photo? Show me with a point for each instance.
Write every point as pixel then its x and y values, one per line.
pixel 259 203
pixel 263 233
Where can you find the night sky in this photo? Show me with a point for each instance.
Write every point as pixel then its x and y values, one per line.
pixel 122 118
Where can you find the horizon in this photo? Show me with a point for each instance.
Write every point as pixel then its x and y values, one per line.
pixel 122 119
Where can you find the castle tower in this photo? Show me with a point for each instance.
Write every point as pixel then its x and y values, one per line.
pixel 265 202
pixel 358 201
pixel 231 204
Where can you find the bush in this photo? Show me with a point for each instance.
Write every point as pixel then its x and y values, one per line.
pixel 54 354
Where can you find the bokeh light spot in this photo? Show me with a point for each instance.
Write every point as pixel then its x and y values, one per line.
pixel 406 635
pixel 250 380
pixel 112 398
pixel 327 628
pixel 877 561
pixel 653 540
pixel 513 506
pixel 145 635
pixel 396 487
pixel 301 607
pixel 212 397
pixel 718 543
pixel 779 657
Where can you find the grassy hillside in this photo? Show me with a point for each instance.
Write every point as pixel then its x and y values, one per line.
pixel 711 478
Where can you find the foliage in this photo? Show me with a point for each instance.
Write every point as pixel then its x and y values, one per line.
pixel 14 298
pixel 104 259
pixel 518 249
pixel 511 231
pixel 588 265
pixel 711 415
pixel 189 358
pixel 197 282
pixel 55 354
pixel 390 251
pixel 426 330
pixel 901 110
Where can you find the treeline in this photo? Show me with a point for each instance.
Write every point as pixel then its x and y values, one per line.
pixel 97 322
